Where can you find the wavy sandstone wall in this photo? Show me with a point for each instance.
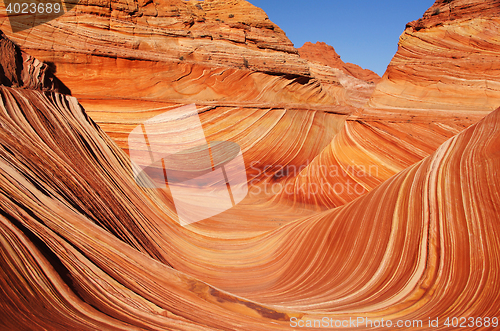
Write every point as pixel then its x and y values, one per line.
pixel 83 247
pixel 412 234
pixel 172 50
pixel 447 60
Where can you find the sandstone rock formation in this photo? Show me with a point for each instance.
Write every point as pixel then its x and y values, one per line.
pixel 172 50
pixel 83 247
pixel 446 61
pixel 18 69
pixel 326 55
pixel 382 213
pixel 347 82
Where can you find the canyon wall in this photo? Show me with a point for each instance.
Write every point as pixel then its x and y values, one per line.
pixel 382 207
pixel 446 61
pixel 188 51
pixel 83 247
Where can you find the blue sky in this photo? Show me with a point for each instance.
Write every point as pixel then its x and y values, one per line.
pixel 364 32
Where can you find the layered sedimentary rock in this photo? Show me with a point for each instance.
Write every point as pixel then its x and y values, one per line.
pixel 18 69
pixel 326 55
pixel 447 61
pixel 172 50
pixel 84 247
pixel 137 63
pixel 350 213
pixel 347 82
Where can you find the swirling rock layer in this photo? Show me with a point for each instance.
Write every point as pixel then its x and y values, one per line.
pixel 380 213
pixel 192 51
pixel 446 61
pixel 90 249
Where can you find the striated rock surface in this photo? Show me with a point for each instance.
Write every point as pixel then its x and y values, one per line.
pixel 379 213
pixel 172 50
pixel 447 61
pixel 326 55
pixel 83 247
pixel 18 69
pixel 347 82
